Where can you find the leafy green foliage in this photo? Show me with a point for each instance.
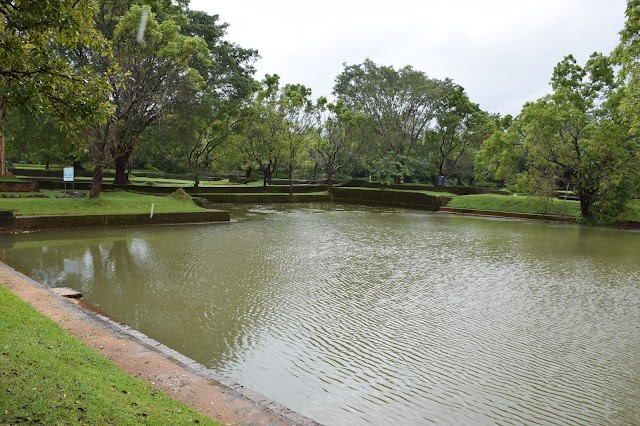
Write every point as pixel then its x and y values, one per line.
pixel 263 141
pixel 460 126
pixel 35 71
pixel 37 139
pixel 191 137
pixel 571 139
pixel 152 76
pixel 340 138
pixel 301 118
pixel 399 104
pixel 501 157
pixel 391 168
pixel 627 55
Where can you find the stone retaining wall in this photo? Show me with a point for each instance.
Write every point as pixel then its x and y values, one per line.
pixel 42 223
pixel 19 186
pixel 239 189
pixel 265 198
pixel 458 190
pixel 387 198
pixel 530 216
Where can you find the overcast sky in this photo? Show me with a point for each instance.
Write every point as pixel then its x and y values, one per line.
pixel 501 51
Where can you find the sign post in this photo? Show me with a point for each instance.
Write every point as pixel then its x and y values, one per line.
pixel 68 177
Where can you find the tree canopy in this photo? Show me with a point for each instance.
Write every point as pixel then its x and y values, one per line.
pixel 399 104
pixel 177 67
pixel 36 40
pixel 627 55
pixel 572 139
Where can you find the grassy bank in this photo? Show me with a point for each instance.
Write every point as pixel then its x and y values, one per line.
pixel 50 377
pixel 116 202
pixel 533 205
pixel 432 193
pixel 517 204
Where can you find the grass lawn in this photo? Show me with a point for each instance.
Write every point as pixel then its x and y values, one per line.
pixel 38 166
pixel 434 193
pixel 531 204
pixel 186 183
pixel 518 204
pixel 110 202
pixel 50 377
pixel 437 193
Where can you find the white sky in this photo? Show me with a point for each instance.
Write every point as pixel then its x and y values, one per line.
pixel 501 51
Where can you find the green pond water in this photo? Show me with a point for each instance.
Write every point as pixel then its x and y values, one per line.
pixel 372 316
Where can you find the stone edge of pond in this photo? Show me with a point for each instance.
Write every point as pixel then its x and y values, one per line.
pixel 249 407
pixel 512 215
pixel 627 225
pixel 55 222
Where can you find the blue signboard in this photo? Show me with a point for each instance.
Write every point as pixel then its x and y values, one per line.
pixel 68 174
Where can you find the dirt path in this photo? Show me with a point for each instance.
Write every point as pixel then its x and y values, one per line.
pixel 180 377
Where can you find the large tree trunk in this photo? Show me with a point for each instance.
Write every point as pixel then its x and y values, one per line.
pixel 329 179
pixel 268 173
pixel 247 171
pixel 121 169
pixel 3 138
pixel 585 205
pixel 96 185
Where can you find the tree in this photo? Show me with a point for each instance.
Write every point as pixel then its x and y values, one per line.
pixel 40 138
pixel 300 117
pixel 399 104
pixel 340 138
pixel 264 126
pixel 149 77
pixel 35 72
pixel 501 157
pixel 391 168
pixel 220 126
pixel 459 125
pixel 627 55
pixel 190 137
pixel 574 139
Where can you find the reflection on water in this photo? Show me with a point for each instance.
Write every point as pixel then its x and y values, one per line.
pixel 364 316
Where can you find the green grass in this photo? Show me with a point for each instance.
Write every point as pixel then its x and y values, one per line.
pixel 533 205
pixel 437 193
pixel 38 166
pixel 276 194
pixel 49 377
pixel 517 204
pixel 433 193
pixel 116 202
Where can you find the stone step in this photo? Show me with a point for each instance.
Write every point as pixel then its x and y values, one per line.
pixel 67 292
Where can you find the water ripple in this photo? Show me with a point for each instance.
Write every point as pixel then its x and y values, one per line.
pixel 366 316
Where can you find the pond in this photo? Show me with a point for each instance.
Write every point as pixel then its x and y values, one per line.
pixel 377 316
